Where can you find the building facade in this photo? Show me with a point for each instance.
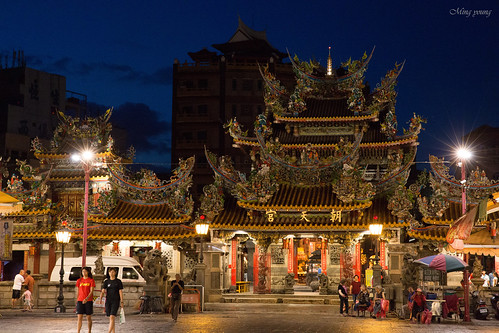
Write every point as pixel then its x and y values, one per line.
pixel 217 86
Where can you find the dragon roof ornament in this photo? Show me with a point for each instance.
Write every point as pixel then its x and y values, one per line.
pixel 259 186
pixel 478 186
pixel 305 72
pixel 146 188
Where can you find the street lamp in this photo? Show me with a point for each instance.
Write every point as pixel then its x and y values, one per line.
pixel 376 229
pixel 85 157
pixel 464 154
pixel 63 236
pixel 202 227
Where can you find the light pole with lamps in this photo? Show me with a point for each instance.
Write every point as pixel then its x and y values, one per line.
pixel 464 154
pixel 63 236
pixel 86 158
pixel 376 229
pixel 202 227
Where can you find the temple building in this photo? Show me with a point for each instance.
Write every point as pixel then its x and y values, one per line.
pixel 327 162
pixel 215 86
pixel 129 211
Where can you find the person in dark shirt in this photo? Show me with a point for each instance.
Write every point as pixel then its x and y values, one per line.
pixel 177 288
pixel 342 292
pixel 113 288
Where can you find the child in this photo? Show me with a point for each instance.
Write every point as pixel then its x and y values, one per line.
pixel 27 299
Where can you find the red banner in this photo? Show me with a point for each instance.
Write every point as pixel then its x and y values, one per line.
pixel 291 257
pixel 382 255
pixel 358 265
pixel 233 251
pixel 324 256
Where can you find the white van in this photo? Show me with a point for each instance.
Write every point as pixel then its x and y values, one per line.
pixel 129 270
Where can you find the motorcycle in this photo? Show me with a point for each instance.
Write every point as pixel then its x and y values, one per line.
pixel 494 302
pixel 481 310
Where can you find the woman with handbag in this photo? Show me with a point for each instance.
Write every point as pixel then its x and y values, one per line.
pixel 177 288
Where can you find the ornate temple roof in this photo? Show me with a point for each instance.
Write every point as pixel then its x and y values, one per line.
pixel 318 198
pixel 133 213
pixel 234 217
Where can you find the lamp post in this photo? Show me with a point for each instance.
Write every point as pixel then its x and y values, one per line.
pixel 63 236
pixel 376 229
pixel 202 228
pixel 463 154
pixel 86 158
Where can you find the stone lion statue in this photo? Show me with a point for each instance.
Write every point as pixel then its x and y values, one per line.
pixel 154 270
pixel 289 280
pixel 323 281
pixel 99 265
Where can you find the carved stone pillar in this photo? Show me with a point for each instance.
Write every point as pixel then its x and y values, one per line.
pixel 263 280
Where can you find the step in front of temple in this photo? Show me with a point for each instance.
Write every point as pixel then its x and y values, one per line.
pixel 281 298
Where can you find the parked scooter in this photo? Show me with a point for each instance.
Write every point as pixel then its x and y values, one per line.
pixel 495 305
pixel 481 310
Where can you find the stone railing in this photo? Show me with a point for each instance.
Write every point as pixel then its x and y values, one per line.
pixel 45 293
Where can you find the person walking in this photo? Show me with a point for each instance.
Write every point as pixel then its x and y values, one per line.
pixel 342 291
pixel 113 289
pixel 16 288
pixel 177 288
pixel 85 303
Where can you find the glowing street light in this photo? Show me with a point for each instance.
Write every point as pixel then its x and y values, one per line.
pixel 63 236
pixel 464 154
pixel 202 227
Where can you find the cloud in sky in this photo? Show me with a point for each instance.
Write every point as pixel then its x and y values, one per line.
pixel 145 130
pixel 65 65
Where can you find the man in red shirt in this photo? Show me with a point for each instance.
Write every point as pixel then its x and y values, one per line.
pixel 85 300
pixel 30 282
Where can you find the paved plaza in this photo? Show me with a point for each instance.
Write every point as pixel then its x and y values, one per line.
pixel 234 318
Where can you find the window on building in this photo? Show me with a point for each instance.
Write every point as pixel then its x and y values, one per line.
pixel 234 84
pixel 202 136
pixel 203 84
pixel 187 136
pixel 187 84
pixel 203 109
pixel 187 110
pixel 247 85
pixel 246 109
pixel 234 110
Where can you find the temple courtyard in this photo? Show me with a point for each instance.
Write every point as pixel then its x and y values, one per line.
pixel 234 318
